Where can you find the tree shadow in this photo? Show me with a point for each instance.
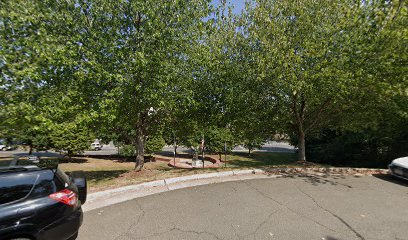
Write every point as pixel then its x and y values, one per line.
pixel 323 180
pixel 179 155
pixel 311 178
pixel 331 238
pixel 261 159
pixel 97 176
pixel 109 157
pixel 72 160
pixel 391 179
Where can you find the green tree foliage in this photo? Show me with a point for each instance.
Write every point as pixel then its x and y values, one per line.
pixel 138 71
pixel 124 60
pixel 154 144
pixel 40 74
pixel 71 137
pixel 376 131
pixel 127 151
pixel 311 59
pixel 146 44
pixel 219 140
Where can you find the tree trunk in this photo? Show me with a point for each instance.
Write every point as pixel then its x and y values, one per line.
pixel 249 152
pixel 30 151
pixel 302 147
pixel 203 156
pixel 140 152
pixel 70 153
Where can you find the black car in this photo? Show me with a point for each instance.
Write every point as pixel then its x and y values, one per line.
pixel 40 203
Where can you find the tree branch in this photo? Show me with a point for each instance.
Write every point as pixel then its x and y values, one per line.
pixel 322 108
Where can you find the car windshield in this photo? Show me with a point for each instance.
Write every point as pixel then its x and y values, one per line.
pixel 24 162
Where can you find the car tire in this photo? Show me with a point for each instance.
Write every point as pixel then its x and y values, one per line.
pixel 3 149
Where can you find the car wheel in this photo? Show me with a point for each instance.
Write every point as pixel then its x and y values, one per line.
pixel 3 149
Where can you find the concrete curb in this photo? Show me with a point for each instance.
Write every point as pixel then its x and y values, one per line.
pixel 113 196
pixel 117 195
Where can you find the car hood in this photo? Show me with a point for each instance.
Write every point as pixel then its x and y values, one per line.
pixel 402 162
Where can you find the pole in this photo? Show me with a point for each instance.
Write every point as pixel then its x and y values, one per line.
pixel 203 149
pixel 174 152
pixel 225 148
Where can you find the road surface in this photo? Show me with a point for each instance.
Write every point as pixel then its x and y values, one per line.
pixel 112 150
pixel 320 208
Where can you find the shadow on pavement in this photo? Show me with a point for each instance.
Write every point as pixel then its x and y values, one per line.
pixel 318 180
pixel 321 180
pixel 330 238
pixel 392 179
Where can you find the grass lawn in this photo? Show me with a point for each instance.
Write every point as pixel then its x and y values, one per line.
pixel 104 174
pixel 108 173
pixel 260 159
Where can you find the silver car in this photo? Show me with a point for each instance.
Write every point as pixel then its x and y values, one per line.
pixel 5 147
pixel 399 168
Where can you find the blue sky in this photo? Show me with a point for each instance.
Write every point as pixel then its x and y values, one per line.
pixel 238 4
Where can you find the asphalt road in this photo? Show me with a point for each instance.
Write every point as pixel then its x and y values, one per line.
pixel 275 208
pixel 271 146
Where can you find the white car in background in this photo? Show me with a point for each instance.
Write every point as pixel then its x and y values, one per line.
pixel 96 146
pixel 5 147
pixel 399 168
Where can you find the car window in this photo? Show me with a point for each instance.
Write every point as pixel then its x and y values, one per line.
pixel 14 187
pixel 45 185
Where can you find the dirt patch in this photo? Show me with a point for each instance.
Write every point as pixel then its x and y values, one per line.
pixel 94 164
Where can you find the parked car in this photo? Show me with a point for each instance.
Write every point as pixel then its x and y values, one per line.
pixel 96 146
pixel 399 168
pixel 40 203
pixel 4 147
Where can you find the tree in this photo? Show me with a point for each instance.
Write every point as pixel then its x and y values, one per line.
pixel 142 56
pixel 376 131
pixel 40 95
pixel 305 52
pixel 71 137
pixel 154 144
pixel 123 59
pixel 219 140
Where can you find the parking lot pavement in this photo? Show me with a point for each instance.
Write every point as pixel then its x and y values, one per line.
pixel 271 146
pixel 21 153
pixel 329 208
